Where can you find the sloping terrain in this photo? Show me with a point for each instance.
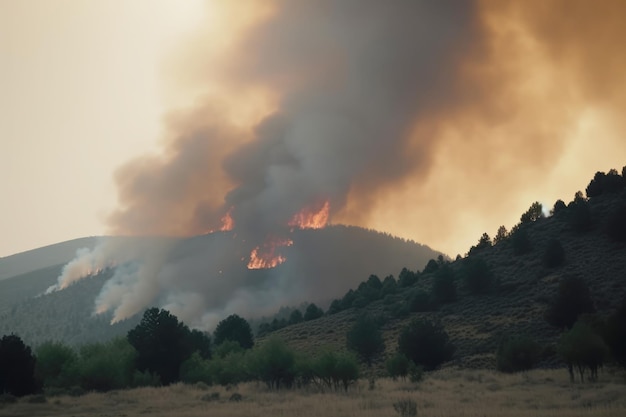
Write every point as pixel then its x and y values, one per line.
pixel 321 264
pixel 516 302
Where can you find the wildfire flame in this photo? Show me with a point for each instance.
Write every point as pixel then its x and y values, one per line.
pixel 267 256
pixel 310 218
pixel 227 222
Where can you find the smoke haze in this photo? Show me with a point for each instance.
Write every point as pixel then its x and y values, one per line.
pixel 428 119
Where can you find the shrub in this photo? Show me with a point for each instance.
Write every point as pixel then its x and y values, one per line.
pixel 365 338
pixel 397 366
pixel 55 362
pixel 582 349
pixel 273 363
pixel 572 300
pixel 335 370
pixel 416 373
pixel 444 286
pixel 425 343
pixel 477 275
pixel 195 370
pixel 106 366
pixel 554 255
pixel 616 224
pixel 515 354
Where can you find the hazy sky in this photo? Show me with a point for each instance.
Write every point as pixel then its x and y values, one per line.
pixel 85 85
pixel 80 93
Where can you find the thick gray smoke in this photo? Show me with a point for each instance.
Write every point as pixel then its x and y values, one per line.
pixel 370 98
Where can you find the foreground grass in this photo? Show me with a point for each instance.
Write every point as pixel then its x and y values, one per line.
pixel 444 393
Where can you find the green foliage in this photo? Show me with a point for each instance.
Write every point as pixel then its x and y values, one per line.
pixel 195 369
pixel 616 224
pixel 163 343
pixel 365 338
pixel 230 369
pixel 416 372
pixel 313 312
pixel 572 300
pixel 397 366
pixel 516 354
pixel 425 343
pixel 273 363
pixel 444 285
pixel 501 235
pixel 55 364
pixel 236 329
pixel 582 349
pixel 534 213
pixel 520 241
pixel 17 367
pixel 421 301
pixel 477 275
pixel 106 366
pixel 335 370
pixel 554 255
pixel 227 347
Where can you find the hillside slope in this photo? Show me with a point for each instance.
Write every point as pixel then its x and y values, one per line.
pixel 321 264
pixel 515 304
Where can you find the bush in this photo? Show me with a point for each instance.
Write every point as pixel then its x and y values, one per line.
pixel 335 370
pixel 416 373
pixel 55 363
pixel 616 224
pixel 106 366
pixel 425 343
pixel 515 354
pixel 572 300
pixel 273 363
pixel 582 349
pixel 365 338
pixel 195 369
pixel 477 275
pixel 554 256
pixel 397 366
pixel 444 286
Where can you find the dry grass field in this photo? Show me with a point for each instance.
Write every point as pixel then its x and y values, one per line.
pixel 449 392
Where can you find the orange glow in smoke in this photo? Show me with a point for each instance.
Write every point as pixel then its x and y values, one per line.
pixel 267 256
pixel 310 218
pixel 227 222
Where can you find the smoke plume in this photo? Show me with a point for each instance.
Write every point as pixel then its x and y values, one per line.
pixel 428 119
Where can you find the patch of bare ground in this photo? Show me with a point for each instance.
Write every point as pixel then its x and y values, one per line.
pixel 448 392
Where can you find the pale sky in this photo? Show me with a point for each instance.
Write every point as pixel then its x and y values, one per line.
pixel 85 86
pixel 80 94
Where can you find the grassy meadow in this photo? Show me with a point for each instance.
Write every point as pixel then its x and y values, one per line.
pixel 448 392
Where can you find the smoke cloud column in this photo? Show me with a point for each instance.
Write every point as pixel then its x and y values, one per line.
pixel 427 119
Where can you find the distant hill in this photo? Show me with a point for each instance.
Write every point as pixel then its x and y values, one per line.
pixel 519 297
pixel 321 264
pixel 43 257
